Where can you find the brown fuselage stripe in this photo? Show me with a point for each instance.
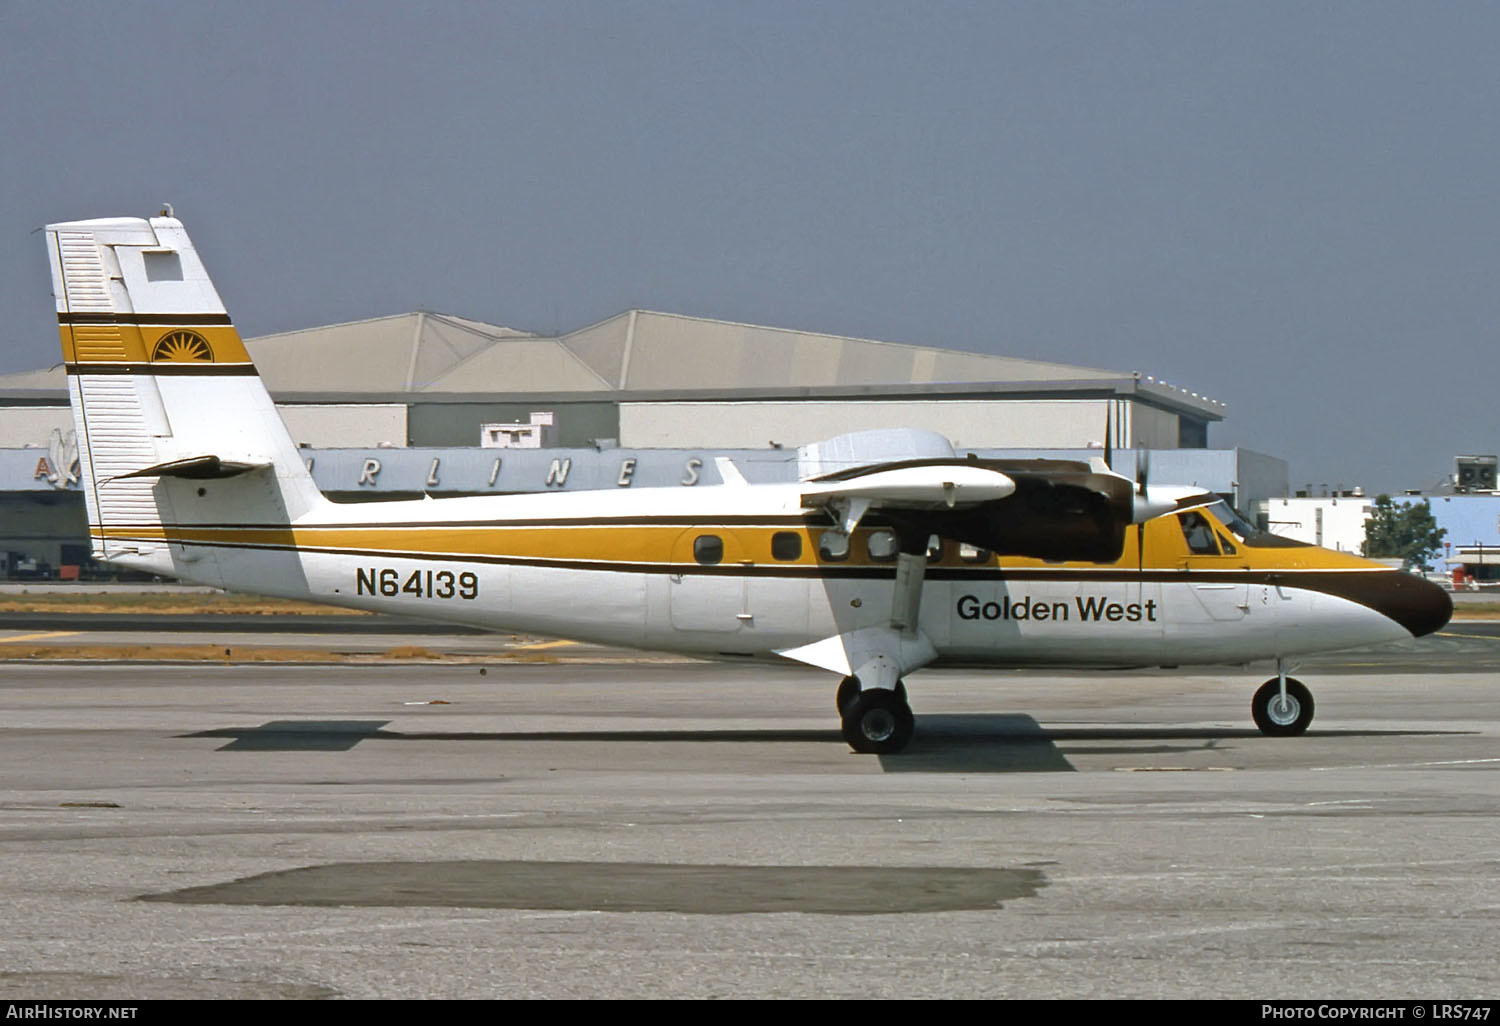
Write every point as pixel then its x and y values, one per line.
pixel 165 367
pixel 142 319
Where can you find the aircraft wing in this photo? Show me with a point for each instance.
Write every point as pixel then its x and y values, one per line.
pixel 1048 509
pixel 922 487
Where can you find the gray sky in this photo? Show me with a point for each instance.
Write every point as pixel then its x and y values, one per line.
pixel 1290 207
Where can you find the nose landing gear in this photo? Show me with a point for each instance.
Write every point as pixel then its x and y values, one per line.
pixel 1282 716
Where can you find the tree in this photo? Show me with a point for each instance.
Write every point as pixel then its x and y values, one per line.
pixel 1408 532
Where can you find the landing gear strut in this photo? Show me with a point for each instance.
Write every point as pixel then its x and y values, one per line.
pixel 878 721
pixel 1280 716
pixel 849 689
pixel 871 700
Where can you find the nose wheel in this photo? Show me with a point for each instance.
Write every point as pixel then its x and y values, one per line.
pixel 877 721
pixel 1278 717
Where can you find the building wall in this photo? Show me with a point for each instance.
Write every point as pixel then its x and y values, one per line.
pixel 346 424
pixel 1332 522
pixel 1033 423
pixel 321 424
pixel 998 423
pixel 1469 520
pixel 32 425
pixel 1152 428
pixel 457 424
pixel 37 526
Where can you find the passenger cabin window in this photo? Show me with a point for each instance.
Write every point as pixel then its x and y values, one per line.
pixel 934 549
pixel 786 545
pixel 970 554
pixel 833 546
pixel 1199 535
pixel 883 546
pixel 708 549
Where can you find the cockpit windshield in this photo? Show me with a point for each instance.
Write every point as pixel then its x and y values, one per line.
pixel 1225 514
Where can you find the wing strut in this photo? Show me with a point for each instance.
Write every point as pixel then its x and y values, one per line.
pixel 906 598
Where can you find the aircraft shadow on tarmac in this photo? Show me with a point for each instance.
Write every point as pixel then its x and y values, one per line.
pixel 945 743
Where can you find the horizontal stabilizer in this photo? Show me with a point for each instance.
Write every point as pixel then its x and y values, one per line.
pixel 199 468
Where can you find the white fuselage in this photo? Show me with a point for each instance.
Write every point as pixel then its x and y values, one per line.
pixel 617 569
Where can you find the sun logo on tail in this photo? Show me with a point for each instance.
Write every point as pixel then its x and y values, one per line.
pixel 183 347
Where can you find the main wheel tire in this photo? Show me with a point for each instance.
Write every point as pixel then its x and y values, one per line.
pixel 1275 720
pixel 848 691
pixel 878 722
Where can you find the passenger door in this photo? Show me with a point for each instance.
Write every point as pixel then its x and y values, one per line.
pixel 707 594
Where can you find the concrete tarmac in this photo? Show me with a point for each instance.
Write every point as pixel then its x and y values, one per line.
pixel 605 827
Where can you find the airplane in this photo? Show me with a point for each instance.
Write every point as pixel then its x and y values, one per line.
pixel 871 570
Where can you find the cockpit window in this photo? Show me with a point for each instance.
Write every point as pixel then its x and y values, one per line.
pixel 1225 514
pixel 1199 535
pixel 1227 546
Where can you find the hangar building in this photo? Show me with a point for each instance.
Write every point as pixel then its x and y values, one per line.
pixel 426 402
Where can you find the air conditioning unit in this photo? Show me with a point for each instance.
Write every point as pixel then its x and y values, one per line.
pixel 1475 473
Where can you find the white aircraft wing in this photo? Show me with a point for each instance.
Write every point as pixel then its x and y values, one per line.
pixel 923 487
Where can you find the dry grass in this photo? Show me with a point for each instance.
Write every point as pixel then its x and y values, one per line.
pixel 1476 610
pixel 411 652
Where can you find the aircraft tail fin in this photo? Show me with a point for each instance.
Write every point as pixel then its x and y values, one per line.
pixel 174 425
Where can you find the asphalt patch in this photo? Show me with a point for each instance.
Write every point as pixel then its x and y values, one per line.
pixel 626 887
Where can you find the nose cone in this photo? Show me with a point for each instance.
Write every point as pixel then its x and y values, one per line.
pixel 1414 602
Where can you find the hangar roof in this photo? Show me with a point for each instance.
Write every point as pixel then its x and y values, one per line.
pixel 637 352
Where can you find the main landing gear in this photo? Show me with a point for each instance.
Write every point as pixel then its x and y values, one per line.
pixel 1283 706
pixel 875 722
pixel 874 714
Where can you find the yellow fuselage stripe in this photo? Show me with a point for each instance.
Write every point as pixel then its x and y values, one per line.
pixel 672 544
